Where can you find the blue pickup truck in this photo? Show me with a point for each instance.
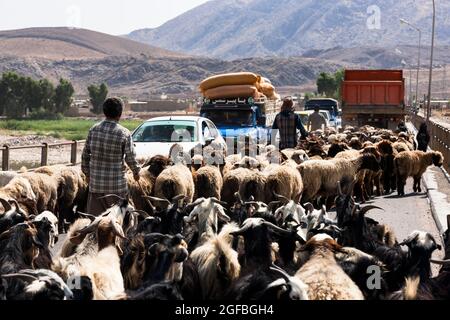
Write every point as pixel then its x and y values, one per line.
pixel 242 117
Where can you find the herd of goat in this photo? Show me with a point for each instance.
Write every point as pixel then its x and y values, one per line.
pixel 250 226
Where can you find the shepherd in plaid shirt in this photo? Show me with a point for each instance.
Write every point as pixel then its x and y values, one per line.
pixel 287 123
pixel 108 147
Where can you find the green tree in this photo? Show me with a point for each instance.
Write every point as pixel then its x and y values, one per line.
pixel 12 102
pixel 63 96
pixel 326 84
pixel 97 96
pixel 339 78
pixel 47 95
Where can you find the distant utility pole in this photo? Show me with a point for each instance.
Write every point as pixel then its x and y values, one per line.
pixel 431 64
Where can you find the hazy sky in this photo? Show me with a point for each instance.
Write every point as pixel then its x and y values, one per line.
pixel 110 16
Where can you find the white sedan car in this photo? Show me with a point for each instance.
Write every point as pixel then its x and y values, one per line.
pixel 157 136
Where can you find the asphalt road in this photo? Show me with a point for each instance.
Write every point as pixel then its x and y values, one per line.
pixel 406 215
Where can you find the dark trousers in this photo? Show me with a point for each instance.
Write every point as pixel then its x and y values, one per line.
pixel 97 206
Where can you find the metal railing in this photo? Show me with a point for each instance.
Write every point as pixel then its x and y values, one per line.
pixel 44 148
pixel 440 137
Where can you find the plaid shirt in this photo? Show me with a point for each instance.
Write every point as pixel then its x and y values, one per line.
pixel 107 146
pixel 287 123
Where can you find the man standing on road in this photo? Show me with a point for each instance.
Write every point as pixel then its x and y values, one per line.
pixel 287 123
pixel 316 121
pixel 108 147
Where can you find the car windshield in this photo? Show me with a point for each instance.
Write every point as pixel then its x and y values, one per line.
pixel 166 131
pixel 323 105
pixel 224 118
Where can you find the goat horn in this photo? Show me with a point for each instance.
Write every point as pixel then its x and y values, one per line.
pixel 87 215
pixel 195 203
pixel 141 213
pixel 280 271
pixel 279 196
pixel 276 228
pixel 157 199
pixel 178 198
pixel 217 201
pixel 242 230
pixel 5 204
pixel 364 210
pixel 22 276
pixel 441 262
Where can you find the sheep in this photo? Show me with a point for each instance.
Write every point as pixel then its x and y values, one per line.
pixel 323 175
pixel 414 164
pixel 336 148
pixel 72 190
pixel 174 181
pixel 283 180
pixel 6 177
pixel 231 184
pixel 45 187
pixel 217 263
pixel 253 185
pixel 401 147
pixel 388 153
pixel 230 162
pixel 19 189
pixel 145 187
pixel 208 182
pixel 322 274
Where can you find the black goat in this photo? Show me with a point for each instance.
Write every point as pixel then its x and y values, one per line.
pixel 13 215
pixel 19 248
pixel 161 292
pixel 40 284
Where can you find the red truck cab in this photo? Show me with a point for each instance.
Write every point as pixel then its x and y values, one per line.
pixel 373 97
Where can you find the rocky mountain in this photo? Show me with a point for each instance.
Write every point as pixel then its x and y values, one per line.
pixel 233 29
